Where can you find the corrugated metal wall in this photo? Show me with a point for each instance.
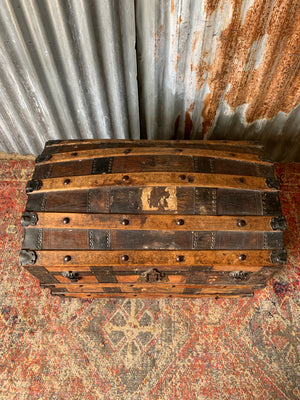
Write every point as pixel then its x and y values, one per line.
pixel 152 69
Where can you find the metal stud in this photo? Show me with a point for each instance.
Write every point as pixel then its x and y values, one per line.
pixel 67 181
pixel 180 258
pixel 242 257
pixel 180 222
pixel 241 222
pixel 67 258
pixel 125 257
pixel 125 178
pixel 125 222
pixel 182 177
pixel 66 220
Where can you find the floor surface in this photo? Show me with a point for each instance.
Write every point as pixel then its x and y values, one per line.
pixel 58 349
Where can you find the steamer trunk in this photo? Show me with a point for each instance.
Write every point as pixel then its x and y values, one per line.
pixel 112 218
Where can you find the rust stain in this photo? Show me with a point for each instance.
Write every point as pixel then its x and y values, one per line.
pixel 176 127
pixel 210 6
pixel 271 85
pixel 179 20
pixel 178 58
pixel 206 117
pixel 195 40
pixel 157 39
pixel 200 70
pixel 188 126
pixel 159 199
pixel 172 7
pixel 191 107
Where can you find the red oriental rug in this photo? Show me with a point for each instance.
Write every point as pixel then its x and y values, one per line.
pixel 58 349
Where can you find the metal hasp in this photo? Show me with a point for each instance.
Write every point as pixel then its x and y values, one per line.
pixel 27 257
pixel 28 219
pixel 278 223
pixel 278 256
pixel 73 276
pixel 153 275
pixel 33 185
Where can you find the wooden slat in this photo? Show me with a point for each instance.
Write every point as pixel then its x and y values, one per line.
pixel 152 258
pixel 243 293
pixel 154 288
pixel 138 269
pixel 153 222
pixel 150 200
pixel 137 151
pixel 155 142
pixel 155 179
pixel 150 163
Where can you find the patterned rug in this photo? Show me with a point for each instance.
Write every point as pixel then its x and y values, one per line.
pixel 166 349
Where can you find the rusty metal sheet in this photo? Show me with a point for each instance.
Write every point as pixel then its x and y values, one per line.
pixel 221 69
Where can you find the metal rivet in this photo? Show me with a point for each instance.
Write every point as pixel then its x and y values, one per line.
pixel 180 258
pixel 241 180
pixel 242 257
pixel 191 178
pixel 74 154
pixel 125 222
pixel 241 222
pixel 182 177
pixel 125 258
pixel 180 222
pixel 67 181
pixel 67 258
pixel 66 220
pixel 173 286
pixel 125 178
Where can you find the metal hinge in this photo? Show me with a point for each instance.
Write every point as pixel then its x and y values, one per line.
pixel 43 157
pixel 29 218
pixel 278 256
pixel 278 223
pixel 33 185
pixel 51 142
pixel 27 257
pixel 273 183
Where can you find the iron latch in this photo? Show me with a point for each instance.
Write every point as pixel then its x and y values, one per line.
pixel 153 276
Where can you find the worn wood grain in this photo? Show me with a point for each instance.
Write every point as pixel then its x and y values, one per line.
pixel 180 222
pixel 137 151
pixel 216 295
pixel 131 258
pixel 168 180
